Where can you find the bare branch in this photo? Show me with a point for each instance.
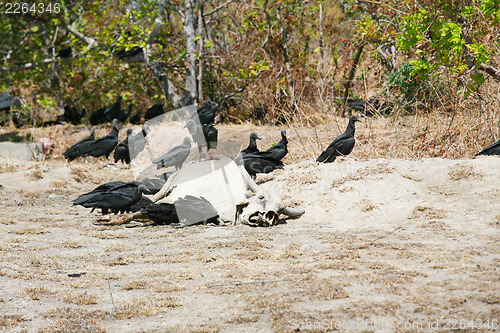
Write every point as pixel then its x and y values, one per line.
pixel 26 66
pixel 176 9
pixel 495 73
pixel 89 40
pixel 216 9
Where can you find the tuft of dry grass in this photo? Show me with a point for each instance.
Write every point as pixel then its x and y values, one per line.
pixel 367 205
pixel 135 285
pixel 441 189
pixel 11 320
pixel 10 166
pixel 71 244
pixel 74 320
pixel 29 231
pixel 143 307
pixel 427 212
pixel 322 289
pixel 463 171
pixel 36 172
pixel 79 173
pixel 80 298
pixel 35 293
pixel 59 184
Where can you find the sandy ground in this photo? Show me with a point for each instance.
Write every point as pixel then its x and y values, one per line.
pixel 384 245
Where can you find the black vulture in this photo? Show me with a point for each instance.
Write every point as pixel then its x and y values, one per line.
pixel 154 111
pixel 279 150
pixel 18 122
pixel 161 213
pixel 211 135
pixel 259 112
pixel 79 148
pixel 493 149
pixel 135 54
pixel 135 119
pixel 123 115
pixel 259 162
pixel 206 113
pixel 175 156
pixel 358 105
pixel 203 136
pixel 142 203
pixel 122 150
pixel 153 185
pixel 137 142
pixel 71 115
pixel 105 145
pixel 252 146
pixel 156 183
pixel 99 189
pixel 193 210
pixel 342 145
pixel 373 104
pixel 113 111
pixel 118 199
pixel 97 117
pixel 65 53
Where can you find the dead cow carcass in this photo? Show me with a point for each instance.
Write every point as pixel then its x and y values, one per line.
pixel 229 188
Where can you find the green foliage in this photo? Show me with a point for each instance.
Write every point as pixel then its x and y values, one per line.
pixel 438 37
pixel 491 9
pixel 416 91
pixel 404 80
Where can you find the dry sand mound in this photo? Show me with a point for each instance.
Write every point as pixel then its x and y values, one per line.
pixel 385 244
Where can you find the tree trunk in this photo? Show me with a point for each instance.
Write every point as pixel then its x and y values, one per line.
pixel 286 58
pixel 201 43
pixel 352 72
pixel 321 51
pixel 189 34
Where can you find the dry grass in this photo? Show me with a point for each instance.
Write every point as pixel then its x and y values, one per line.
pixel 143 307
pixel 441 189
pixel 367 205
pixel 10 166
pixel 71 244
pixel 11 320
pixel 427 212
pixel 59 184
pixel 74 320
pixel 36 293
pixel 463 171
pixel 79 173
pixel 80 298
pixel 36 172
pixel 29 231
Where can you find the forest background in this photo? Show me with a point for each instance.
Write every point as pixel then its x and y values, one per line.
pixel 430 64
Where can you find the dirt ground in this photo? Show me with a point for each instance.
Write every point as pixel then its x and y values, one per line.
pixel 385 244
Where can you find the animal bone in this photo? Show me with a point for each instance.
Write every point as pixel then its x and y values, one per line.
pixel 225 186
